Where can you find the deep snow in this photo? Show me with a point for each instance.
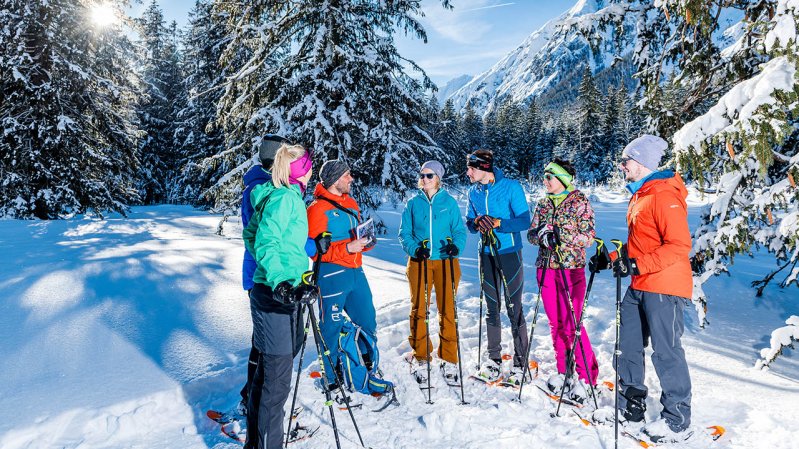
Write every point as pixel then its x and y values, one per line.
pixel 122 332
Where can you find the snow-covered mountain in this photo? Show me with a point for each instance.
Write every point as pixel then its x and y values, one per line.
pixel 540 62
pixel 452 86
pixel 548 64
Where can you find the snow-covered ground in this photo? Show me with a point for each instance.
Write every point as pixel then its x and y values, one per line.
pixel 120 333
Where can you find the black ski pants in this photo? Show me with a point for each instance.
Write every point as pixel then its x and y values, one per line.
pixel 277 340
pixel 493 284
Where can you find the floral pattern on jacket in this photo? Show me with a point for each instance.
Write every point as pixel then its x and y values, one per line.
pixel 574 218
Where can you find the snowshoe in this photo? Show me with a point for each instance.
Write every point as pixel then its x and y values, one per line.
pixel 491 371
pixel 300 433
pixel 450 373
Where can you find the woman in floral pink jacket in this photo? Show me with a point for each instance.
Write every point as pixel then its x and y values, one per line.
pixel 563 227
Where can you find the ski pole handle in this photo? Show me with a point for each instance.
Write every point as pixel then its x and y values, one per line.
pixel 600 244
pixel 616 253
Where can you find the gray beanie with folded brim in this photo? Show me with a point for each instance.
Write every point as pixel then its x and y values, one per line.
pixel 435 167
pixel 647 150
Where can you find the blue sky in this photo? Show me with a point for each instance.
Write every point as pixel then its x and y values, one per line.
pixel 466 40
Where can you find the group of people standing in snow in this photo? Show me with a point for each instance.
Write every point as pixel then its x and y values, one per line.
pixel 281 234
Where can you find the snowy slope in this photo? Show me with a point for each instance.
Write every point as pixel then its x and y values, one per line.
pixel 120 333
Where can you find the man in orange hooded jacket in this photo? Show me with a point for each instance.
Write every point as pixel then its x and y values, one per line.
pixel 341 278
pixel 657 257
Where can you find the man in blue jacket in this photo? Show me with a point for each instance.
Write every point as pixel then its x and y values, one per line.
pixel 497 209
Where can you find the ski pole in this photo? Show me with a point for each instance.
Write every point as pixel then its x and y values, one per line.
pixel 577 336
pixel 316 265
pixel 455 311
pixel 526 368
pixel 482 280
pixel 617 351
pixel 427 323
pixel 322 349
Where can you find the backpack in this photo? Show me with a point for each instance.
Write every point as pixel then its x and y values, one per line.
pixel 359 359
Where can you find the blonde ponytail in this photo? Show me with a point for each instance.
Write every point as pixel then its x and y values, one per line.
pixel 281 167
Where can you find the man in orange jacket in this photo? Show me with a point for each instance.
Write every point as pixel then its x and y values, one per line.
pixel 341 278
pixel 657 257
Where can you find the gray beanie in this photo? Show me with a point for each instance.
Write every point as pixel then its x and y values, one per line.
pixel 268 148
pixel 647 150
pixel 436 167
pixel 331 171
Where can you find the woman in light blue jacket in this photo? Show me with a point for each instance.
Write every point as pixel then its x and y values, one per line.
pixel 432 229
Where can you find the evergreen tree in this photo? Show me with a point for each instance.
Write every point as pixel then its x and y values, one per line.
pixel 199 138
pixel 590 155
pixel 69 128
pixel 163 99
pixel 328 74
pixel 450 136
pixel 746 141
pixel 472 129
pixel 528 155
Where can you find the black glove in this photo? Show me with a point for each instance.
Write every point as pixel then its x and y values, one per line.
pixel 532 234
pixel 599 261
pixel 548 237
pixel 451 250
pixel 422 252
pixel 623 266
pixel 485 223
pixel 306 293
pixel 323 242
pixel 283 293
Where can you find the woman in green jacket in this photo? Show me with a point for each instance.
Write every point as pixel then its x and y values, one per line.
pixel 276 237
pixel 432 229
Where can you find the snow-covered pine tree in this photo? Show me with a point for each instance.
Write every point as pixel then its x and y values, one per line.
pixel 328 74
pixel 67 114
pixel 744 140
pixel 529 135
pixel 589 154
pixel 450 136
pixel 163 99
pixel 472 129
pixel 199 137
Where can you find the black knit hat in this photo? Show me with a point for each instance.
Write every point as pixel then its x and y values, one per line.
pixel 268 148
pixel 481 160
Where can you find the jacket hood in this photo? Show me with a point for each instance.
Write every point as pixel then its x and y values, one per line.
pixel 664 181
pixel 256 173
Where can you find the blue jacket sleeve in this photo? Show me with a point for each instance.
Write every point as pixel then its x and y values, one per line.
pixel 408 243
pixel 457 227
pixel 521 211
pixel 310 248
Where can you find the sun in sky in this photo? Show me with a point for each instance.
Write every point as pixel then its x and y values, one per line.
pixel 103 14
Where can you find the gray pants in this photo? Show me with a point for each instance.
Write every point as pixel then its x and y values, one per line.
pixel 658 317
pixel 511 264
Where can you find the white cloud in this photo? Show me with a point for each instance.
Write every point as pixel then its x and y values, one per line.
pixel 464 24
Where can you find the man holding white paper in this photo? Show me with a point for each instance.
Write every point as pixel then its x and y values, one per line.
pixel 341 278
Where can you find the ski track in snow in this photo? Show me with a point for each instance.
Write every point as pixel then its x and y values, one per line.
pixel 121 333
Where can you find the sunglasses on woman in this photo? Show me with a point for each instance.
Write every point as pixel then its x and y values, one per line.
pixel 549 176
pixel 427 175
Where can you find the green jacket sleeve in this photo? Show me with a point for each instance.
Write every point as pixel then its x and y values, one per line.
pixel 408 243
